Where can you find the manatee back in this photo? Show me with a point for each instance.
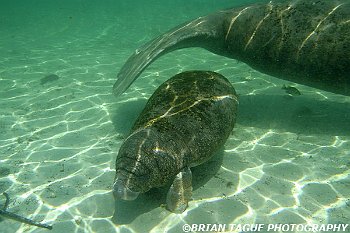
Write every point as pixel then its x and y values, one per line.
pixel 194 112
pixel 303 41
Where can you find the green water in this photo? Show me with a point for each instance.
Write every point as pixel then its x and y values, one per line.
pixel 287 160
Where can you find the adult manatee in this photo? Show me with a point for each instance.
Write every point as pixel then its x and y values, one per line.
pixel 303 41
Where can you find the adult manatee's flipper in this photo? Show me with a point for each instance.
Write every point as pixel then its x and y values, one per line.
pixel 180 192
pixel 184 36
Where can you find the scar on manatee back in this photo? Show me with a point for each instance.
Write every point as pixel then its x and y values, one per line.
pixel 49 78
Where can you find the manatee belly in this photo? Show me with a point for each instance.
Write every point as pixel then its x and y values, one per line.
pixel 184 122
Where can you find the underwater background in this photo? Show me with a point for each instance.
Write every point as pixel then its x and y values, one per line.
pixel 286 161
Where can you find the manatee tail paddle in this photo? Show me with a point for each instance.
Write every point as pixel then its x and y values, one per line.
pixel 198 33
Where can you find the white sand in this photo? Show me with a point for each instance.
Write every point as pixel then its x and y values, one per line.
pixel 287 160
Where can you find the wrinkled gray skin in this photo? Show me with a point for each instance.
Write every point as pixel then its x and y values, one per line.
pixel 183 123
pixel 303 41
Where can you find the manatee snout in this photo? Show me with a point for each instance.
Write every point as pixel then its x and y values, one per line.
pixel 122 191
pixel 144 163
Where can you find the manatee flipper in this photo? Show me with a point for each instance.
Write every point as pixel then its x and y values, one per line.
pixel 184 36
pixel 180 192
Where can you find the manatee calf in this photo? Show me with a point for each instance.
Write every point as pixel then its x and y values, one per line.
pixel 303 41
pixel 183 123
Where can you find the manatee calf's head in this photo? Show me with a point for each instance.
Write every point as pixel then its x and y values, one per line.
pixel 142 163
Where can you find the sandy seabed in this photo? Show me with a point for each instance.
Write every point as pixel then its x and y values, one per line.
pixel 286 161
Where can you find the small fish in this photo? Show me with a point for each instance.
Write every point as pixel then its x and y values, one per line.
pixel 291 90
pixel 49 78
